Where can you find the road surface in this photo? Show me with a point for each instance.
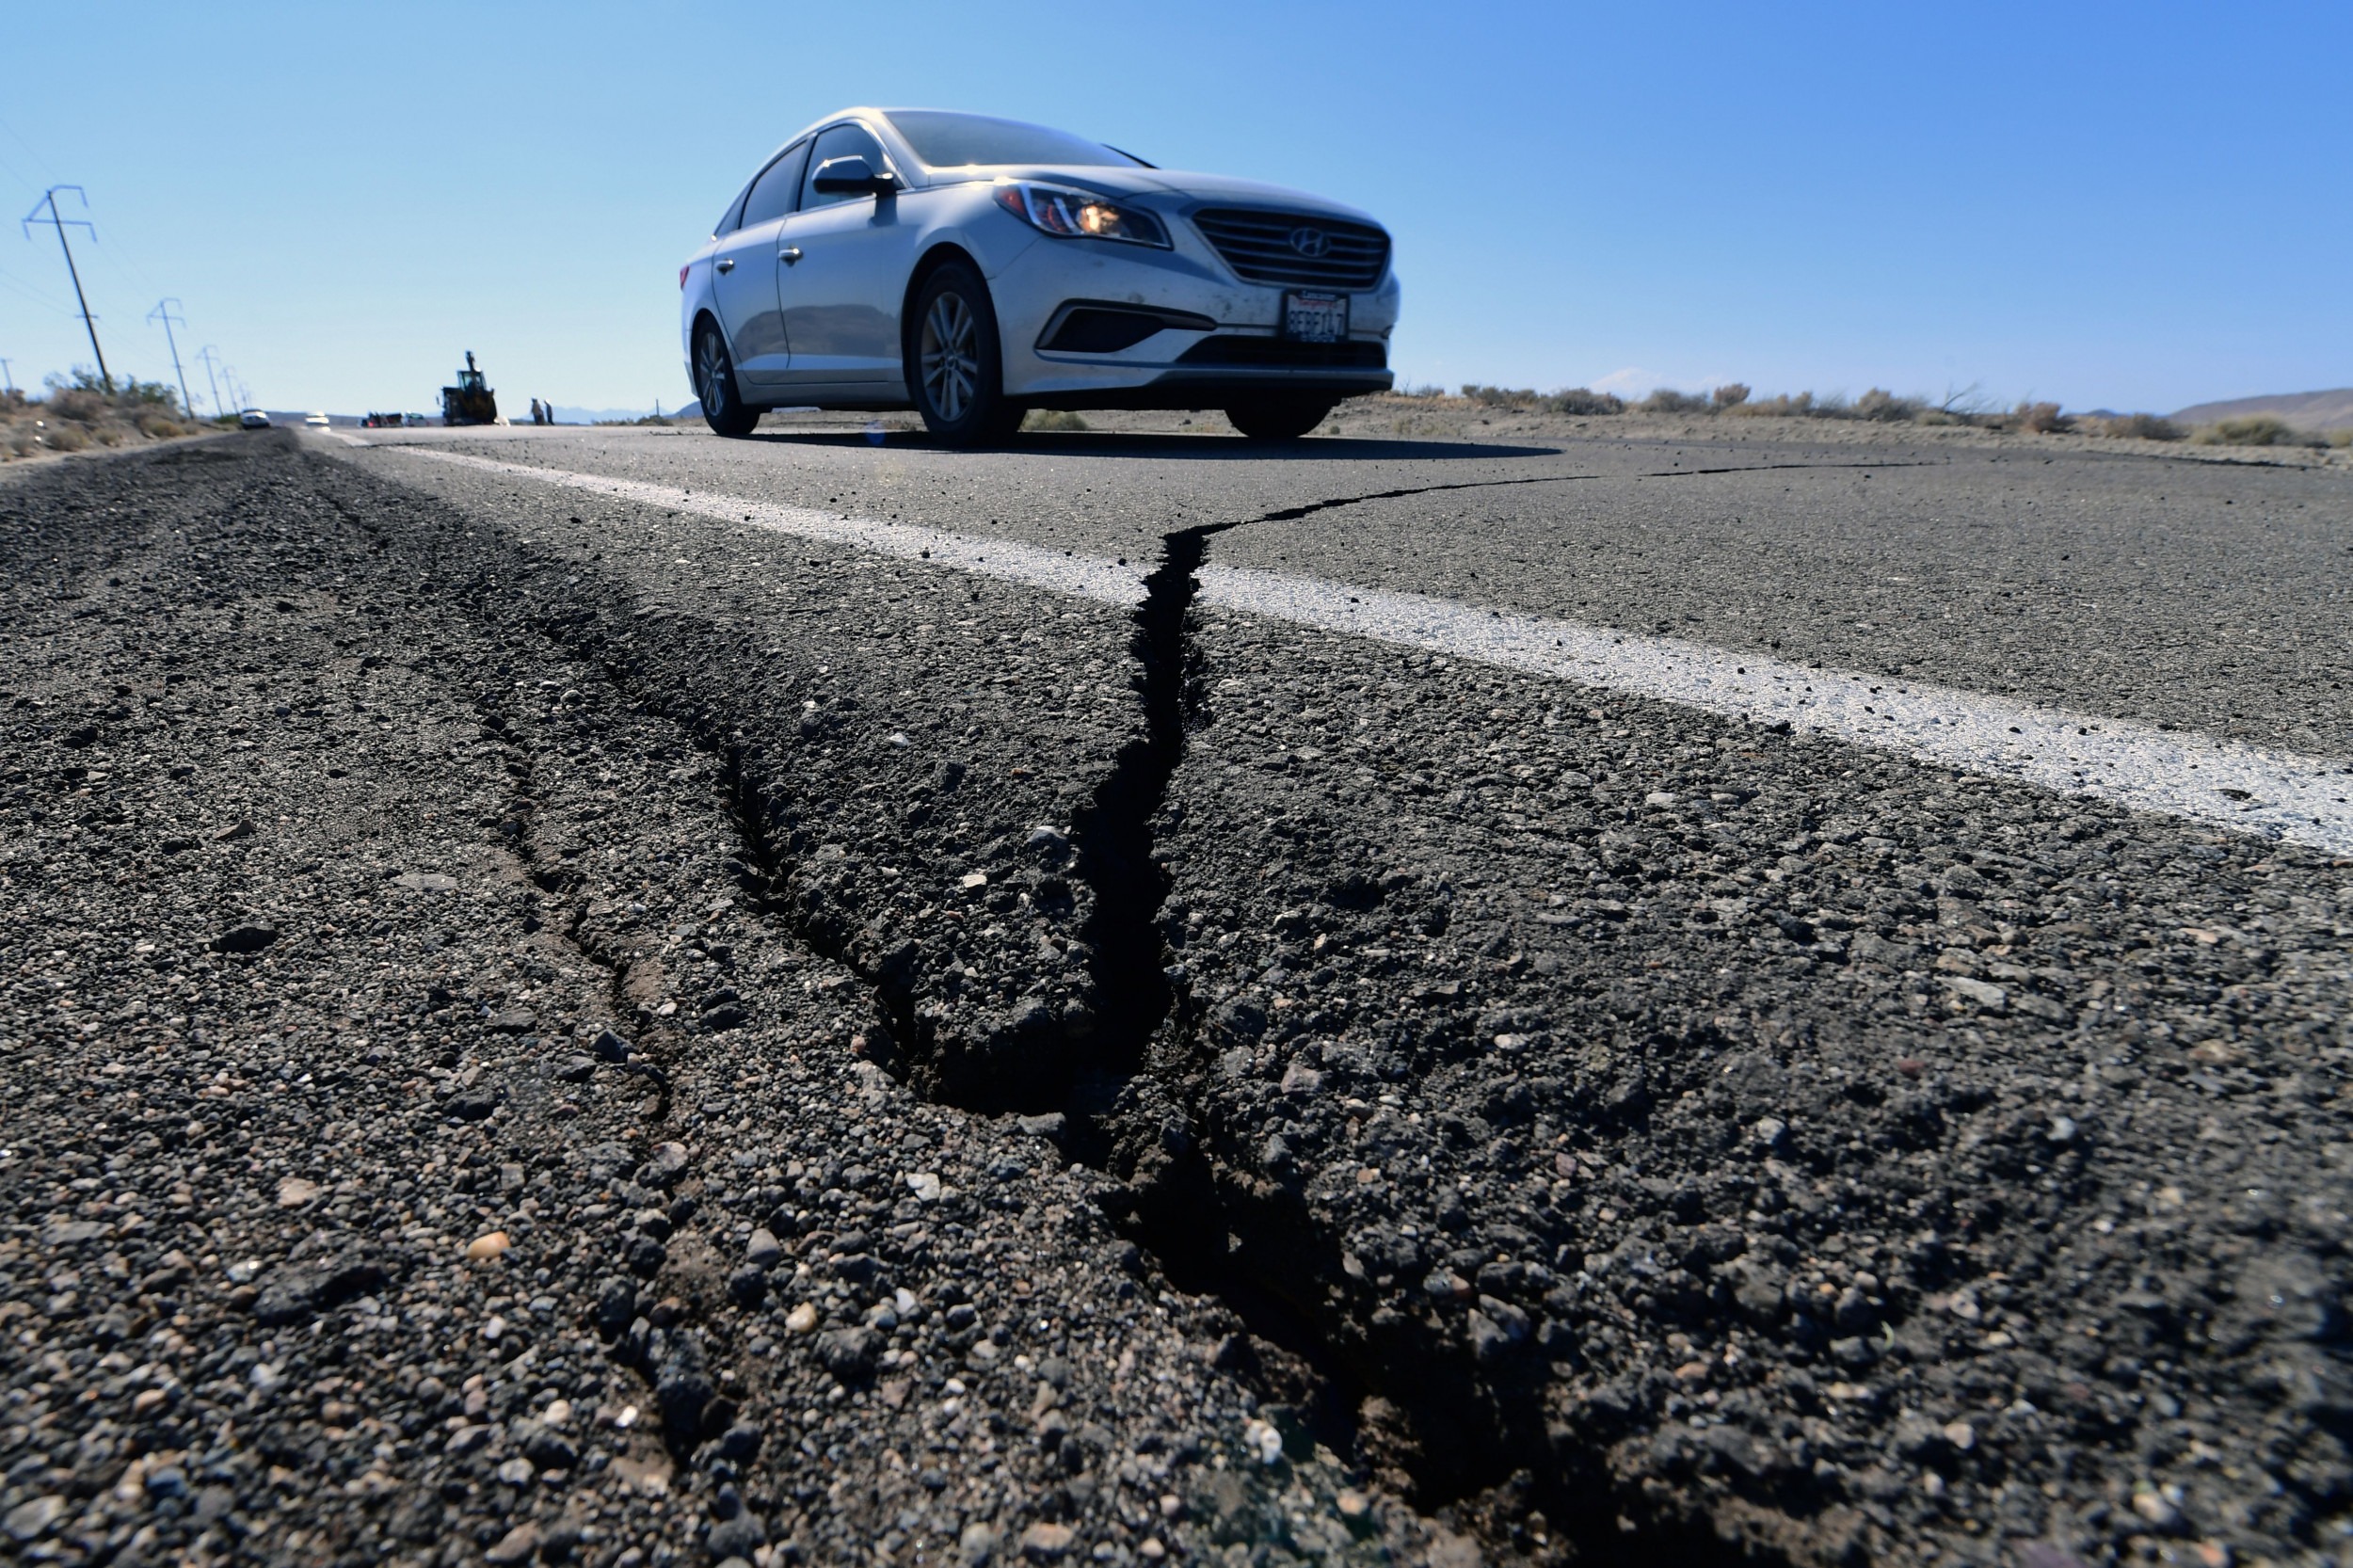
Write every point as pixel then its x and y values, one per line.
pixel 1597 991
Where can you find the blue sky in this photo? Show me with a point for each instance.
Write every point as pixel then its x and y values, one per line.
pixel 2135 206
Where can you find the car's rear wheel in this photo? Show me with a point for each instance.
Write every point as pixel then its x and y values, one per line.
pixel 1278 419
pixel 724 408
pixel 954 370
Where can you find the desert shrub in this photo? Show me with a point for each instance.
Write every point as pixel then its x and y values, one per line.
pixel 65 438
pixel 2341 438
pixel 1730 395
pixel 2043 419
pixel 1426 389
pixel 2147 427
pixel 1581 400
pixel 80 405
pixel 2250 430
pixel 1052 419
pixel 1884 405
pixel 1781 406
pixel 1665 400
pixel 1575 400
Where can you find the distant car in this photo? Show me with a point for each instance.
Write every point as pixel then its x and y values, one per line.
pixel 973 268
pixel 314 422
pixel 252 419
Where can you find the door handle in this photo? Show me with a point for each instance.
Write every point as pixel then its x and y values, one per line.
pixel 789 254
pixel 725 263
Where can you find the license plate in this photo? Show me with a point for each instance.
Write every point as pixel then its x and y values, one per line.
pixel 1315 317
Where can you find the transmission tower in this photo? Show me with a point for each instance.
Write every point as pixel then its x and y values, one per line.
pixel 49 199
pixel 209 355
pixel 163 312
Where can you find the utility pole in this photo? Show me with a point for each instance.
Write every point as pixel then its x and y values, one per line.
pixel 49 199
pixel 162 312
pixel 7 377
pixel 208 355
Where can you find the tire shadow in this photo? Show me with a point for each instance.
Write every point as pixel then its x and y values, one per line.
pixel 1207 448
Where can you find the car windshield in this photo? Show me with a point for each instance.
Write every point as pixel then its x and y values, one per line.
pixel 946 140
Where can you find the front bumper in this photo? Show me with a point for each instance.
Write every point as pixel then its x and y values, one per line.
pixel 1230 347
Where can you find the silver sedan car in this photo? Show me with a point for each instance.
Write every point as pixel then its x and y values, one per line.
pixel 974 268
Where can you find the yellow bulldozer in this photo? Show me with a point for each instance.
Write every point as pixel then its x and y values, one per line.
pixel 470 402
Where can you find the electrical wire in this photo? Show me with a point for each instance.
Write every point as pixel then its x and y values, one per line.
pixel 34 292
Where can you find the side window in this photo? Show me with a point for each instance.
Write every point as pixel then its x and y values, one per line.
pixel 772 193
pixel 733 219
pixel 843 141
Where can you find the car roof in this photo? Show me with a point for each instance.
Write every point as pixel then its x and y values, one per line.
pixel 873 118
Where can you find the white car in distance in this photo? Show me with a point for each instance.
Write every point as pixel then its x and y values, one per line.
pixel 973 268
pixel 314 422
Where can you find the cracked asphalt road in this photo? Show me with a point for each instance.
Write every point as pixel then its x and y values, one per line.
pixel 546 1026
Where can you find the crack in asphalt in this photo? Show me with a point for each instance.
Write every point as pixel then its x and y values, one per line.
pixel 1292 514
pixel 1455 1442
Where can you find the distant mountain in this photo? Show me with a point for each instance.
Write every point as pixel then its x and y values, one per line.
pixel 568 414
pixel 2312 411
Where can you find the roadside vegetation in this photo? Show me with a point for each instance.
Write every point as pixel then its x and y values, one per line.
pixel 2265 430
pixel 1880 405
pixel 80 412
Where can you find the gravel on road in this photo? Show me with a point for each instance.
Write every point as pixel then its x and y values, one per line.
pixel 543 1027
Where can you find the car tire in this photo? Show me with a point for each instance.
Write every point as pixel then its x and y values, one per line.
pixel 724 408
pixel 1278 419
pixel 954 371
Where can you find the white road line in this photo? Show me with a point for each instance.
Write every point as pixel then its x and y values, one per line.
pixel 1083 576
pixel 2275 795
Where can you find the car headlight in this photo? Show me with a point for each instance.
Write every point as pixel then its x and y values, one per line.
pixel 1067 213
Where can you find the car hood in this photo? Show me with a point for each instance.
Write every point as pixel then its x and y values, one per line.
pixel 1208 189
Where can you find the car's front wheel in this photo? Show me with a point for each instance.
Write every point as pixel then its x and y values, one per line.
pixel 724 408
pixel 1278 419
pixel 954 367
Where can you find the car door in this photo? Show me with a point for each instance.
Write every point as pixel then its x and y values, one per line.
pixel 744 273
pixel 843 271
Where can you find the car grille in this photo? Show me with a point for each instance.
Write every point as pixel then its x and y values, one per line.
pixel 1235 349
pixel 1257 246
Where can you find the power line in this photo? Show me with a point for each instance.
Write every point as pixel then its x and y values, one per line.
pixel 208 354
pixel 118 254
pixel 34 292
pixel 49 199
pixel 163 310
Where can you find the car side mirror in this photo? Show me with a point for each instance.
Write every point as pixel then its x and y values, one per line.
pixel 852 176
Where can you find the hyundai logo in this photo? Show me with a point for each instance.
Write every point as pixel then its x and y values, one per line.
pixel 1314 244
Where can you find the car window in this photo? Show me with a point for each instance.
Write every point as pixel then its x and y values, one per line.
pixel 733 219
pixel 842 141
pixel 772 193
pixel 946 140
